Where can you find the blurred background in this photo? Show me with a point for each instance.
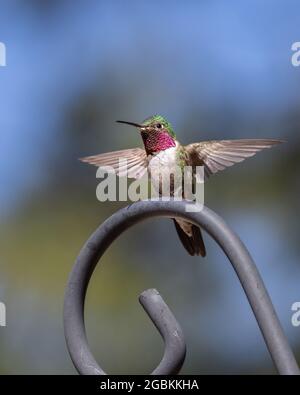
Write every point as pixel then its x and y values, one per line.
pixel 216 70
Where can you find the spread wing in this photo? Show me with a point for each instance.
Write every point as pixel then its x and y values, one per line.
pixel 217 155
pixel 131 163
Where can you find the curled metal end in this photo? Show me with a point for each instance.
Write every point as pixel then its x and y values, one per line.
pixel 169 329
pixel 157 310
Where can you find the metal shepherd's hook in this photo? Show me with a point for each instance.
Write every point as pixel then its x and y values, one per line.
pixel 152 302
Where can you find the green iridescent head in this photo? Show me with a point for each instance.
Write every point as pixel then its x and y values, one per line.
pixel 157 133
pixel 159 122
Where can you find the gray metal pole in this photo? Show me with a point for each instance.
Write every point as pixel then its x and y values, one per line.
pixel 232 246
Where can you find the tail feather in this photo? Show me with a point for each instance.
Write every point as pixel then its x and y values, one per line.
pixel 193 243
pixel 198 241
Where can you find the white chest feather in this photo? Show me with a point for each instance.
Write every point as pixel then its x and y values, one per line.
pixel 164 160
pixel 164 171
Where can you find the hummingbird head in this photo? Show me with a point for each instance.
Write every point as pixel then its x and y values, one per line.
pixel 157 133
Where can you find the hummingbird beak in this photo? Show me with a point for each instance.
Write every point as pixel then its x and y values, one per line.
pixel 131 123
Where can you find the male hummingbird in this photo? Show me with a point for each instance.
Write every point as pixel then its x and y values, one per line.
pixel 162 150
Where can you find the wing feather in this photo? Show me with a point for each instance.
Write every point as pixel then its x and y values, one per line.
pixel 131 162
pixel 217 155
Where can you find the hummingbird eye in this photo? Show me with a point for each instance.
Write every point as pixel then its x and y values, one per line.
pixel 159 125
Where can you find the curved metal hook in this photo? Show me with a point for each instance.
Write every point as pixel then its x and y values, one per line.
pixel 169 329
pixel 157 310
pixel 232 246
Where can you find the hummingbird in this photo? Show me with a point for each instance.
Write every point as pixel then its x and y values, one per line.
pixel 163 150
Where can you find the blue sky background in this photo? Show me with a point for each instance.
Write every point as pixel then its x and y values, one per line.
pixel 233 55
